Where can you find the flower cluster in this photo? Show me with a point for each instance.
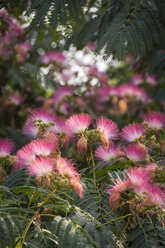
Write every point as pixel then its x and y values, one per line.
pixel 11 42
pixel 139 182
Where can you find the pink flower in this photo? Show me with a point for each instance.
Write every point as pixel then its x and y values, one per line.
pixel 119 186
pixel 137 79
pixel 136 152
pixel 108 130
pixel 155 195
pixel 40 166
pixel 30 128
pixel 138 176
pixel 132 132
pixel 60 94
pixel 22 50
pixel 107 154
pixel 78 122
pixel 133 91
pixel 16 98
pixel 6 147
pixel 150 79
pixel 53 56
pixel 155 120
pixel 66 169
pixel 38 147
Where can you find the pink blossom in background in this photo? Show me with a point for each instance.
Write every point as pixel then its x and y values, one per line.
pixel 60 94
pixel 78 122
pixel 108 130
pixel 129 90
pixel 151 79
pixel 41 166
pixel 137 79
pixel 132 132
pixel 129 58
pixel 91 45
pixel 53 56
pixel 6 147
pixel 155 120
pixel 106 154
pixel 103 93
pixel 136 152
pixel 16 98
pixel 22 50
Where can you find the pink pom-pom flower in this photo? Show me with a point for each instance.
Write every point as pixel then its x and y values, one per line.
pixel 78 122
pixel 31 129
pixel 66 169
pixel 132 132
pixel 155 120
pixel 38 147
pixel 40 166
pixel 136 152
pixel 106 154
pixel 6 147
pixel 138 176
pixel 108 130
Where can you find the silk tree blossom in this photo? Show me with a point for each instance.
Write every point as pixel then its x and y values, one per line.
pixel 133 91
pixel 155 120
pixel 22 51
pixel 16 98
pixel 31 129
pixel 137 79
pixel 151 79
pixel 6 147
pixel 138 176
pixel 119 187
pixel 41 166
pixel 156 195
pixel 79 122
pixel 106 154
pixel 53 57
pixel 60 94
pixel 132 132
pixel 136 152
pixel 66 169
pixel 36 148
pixel 108 130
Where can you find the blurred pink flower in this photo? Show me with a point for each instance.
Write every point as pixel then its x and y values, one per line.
pixel 151 79
pixel 30 129
pixel 137 79
pixel 53 56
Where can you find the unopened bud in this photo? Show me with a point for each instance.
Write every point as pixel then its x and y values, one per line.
pixel 82 145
